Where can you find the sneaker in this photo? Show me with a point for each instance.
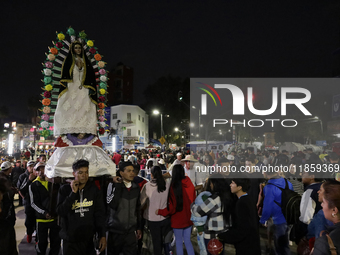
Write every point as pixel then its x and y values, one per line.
pixel 34 233
pixel 29 238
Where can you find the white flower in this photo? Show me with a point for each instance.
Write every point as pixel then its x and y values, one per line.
pixel 47 72
pixel 102 124
pixel 44 124
pixel 103 78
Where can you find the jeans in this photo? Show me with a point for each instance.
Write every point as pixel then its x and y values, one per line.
pixel 281 239
pixel 180 235
pixel 201 244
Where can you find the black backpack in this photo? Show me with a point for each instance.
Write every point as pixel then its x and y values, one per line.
pixel 290 204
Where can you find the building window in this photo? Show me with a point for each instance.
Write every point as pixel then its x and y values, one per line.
pixel 138 132
pixel 138 117
pixel 114 116
pixel 129 132
pixel 128 116
pixel 143 119
pixel 119 83
pixel 118 95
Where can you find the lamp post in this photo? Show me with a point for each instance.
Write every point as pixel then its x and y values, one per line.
pixel 34 135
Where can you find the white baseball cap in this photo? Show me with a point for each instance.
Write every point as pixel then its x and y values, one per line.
pixel 6 165
pixel 230 157
pixel 39 165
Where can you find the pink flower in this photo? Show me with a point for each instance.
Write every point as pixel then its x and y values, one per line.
pixel 49 64
pixel 102 71
pixel 45 117
pixel 101 118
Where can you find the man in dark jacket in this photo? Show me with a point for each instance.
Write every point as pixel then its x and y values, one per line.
pixel 8 212
pixel 43 199
pixel 8 244
pixel 244 233
pixel 82 212
pixel 16 172
pixel 25 180
pixel 124 220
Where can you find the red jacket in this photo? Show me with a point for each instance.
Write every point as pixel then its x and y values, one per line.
pixel 116 158
pixel 181 219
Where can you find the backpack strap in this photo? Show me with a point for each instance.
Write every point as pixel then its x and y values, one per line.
pixel 331 245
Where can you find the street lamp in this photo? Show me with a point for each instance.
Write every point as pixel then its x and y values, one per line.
pixel 156 112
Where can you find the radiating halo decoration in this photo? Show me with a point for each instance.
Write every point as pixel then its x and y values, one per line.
pixel 52 67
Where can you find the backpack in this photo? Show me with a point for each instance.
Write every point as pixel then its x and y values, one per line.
pixel 290 204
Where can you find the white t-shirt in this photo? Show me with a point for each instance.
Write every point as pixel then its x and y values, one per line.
pixel 197 177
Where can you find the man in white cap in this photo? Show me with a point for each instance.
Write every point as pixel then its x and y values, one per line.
pixel 44 203
pixel 25 180
pixel 178 159
pixel 8 212
pixel 195 171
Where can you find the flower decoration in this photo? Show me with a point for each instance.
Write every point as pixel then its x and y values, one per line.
pixel 47 94
pixel 101 131
pixel 98 57
pixel 103 85
pixel 47 72
pixel 45 117
pixel 49 87
pixel 82 35
pixel 90 43
pixel 102 71
pixel 70 31
pixel 102 91
pixel 101 99
pixel 49 64
pixel 51 57
pixel 101 118
pixel 44 124
pixel 61 36
pixel 59 45
pixel 93 50
pixel 103 78
pixel 54 51
pixel 47 80
pixel 101 64
pixel 102 124
pixel 46 101
pixel 46 109
pixel 45 133
pixel 101 112
pixel 101 105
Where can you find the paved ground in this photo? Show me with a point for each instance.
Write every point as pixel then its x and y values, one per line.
pixel 28 249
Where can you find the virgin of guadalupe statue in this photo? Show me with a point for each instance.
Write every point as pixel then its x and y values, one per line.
pixel 76 108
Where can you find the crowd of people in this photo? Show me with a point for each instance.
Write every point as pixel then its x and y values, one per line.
pixel 163 195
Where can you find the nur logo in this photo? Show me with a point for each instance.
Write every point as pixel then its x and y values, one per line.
pixel 204 97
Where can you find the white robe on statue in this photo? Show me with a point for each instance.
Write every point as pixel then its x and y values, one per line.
pixel 75 113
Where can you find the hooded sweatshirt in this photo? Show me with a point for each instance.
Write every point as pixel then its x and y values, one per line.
pixel 181 219
pixel 273 194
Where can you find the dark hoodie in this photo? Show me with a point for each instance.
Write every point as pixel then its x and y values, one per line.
pixel 82 213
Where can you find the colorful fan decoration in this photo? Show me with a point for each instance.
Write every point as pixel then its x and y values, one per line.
pixel 52 75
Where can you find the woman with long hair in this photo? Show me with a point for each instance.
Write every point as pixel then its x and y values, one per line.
pixel 217 207
pixel 155 195
pixel 331 210
pixel 148 167
pixel 181 195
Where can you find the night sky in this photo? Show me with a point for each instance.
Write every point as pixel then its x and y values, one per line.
pixel 244 38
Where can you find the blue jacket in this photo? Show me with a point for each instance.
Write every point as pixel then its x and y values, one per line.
pixel 318 223
pixel 271 194
pixel 200 221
